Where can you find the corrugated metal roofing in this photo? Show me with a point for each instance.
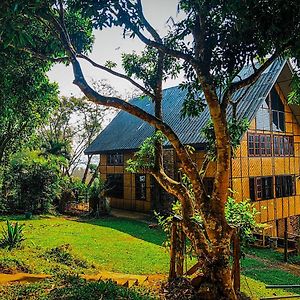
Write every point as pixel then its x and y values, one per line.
pixel 127 132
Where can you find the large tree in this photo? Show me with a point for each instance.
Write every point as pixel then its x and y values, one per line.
pixel 211 44
pixel 26 99
pixel 73 126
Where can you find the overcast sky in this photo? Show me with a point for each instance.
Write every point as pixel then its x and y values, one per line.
pixel 109 45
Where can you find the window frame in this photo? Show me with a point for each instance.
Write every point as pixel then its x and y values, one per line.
pixel 116 191
pixel 287 189
pixel 257 188
pixel 115 159
pixel 140 189
pixel 284 145
pixel 255 142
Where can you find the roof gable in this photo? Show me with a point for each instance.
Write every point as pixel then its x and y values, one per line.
pixel 127 132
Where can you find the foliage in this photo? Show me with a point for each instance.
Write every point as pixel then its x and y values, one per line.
pixel 73 126
pixel 12 235
pixel 99 204
pixel 26 100
pixel 144 158
pixel 144 66
pixel 35 181
pixel 294 96
pixel 73 287
pixel 241 216
pixel 236 129
pixel 179 288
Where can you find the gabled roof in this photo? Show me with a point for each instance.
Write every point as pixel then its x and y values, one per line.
pixel 127 132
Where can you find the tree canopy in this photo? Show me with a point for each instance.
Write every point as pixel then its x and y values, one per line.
pixel 26 99
pixel 211 44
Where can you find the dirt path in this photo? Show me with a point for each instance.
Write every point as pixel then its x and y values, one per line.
pixel 120 278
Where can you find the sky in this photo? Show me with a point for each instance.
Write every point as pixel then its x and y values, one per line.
pixel 109 45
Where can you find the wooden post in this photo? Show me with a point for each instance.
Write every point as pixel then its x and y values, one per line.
pixel 285 240
pixel 298 244
pixel 236 262
pixel 173 241
pixel 180 251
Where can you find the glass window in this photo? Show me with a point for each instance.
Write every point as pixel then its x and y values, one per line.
pixel 283 145
pixel 259 145
pixel 115 186
pixel 208 184
pixel 251 144
pixel 261 188
pixel 285 186
pixel 115 159
pixel 278 118
pixel 140 186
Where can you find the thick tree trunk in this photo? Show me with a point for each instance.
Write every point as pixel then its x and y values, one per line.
pixel 217 282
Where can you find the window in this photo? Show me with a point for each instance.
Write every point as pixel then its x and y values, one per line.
pixel 259 145
pixel 115 159
pixel 115 185
pixel 277 107
pixel 261 188
pixel 285 186
pixel 283 145
pixel 251 145
pixel 140 187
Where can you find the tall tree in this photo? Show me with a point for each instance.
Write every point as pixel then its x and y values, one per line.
pixel 73 126
pixel 213 42
pixel 26 98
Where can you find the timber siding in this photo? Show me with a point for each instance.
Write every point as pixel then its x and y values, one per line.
pixel 244 167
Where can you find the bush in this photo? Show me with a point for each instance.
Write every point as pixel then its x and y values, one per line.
pixel 69 288
pixel 12 235
pixel 35 181
pixel 99 204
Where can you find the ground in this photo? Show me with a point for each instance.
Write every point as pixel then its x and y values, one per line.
pixel 59 246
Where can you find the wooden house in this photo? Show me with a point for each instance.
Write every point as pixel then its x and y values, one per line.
pixel 265 167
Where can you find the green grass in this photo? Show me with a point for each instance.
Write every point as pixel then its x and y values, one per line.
pixel 119 245
pixel 113 244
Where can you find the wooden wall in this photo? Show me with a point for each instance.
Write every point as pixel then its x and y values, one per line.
pixel 243 167
pixel 129 202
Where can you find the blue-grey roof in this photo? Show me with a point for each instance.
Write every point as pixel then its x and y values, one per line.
pixel 127 132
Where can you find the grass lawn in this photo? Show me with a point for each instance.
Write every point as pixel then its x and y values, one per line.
pixel 113 244
pixel 118 245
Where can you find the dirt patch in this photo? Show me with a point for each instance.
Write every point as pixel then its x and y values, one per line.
pixel 21 278
pixel 12 266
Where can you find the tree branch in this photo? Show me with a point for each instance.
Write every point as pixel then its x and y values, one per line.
pixel 106 69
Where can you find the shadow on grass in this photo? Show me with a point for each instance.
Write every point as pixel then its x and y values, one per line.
pixel 270 276
pixel 137 229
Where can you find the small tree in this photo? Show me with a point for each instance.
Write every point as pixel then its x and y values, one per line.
pixel 72 127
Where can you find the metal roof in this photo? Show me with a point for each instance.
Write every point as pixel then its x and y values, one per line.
pixel 126 132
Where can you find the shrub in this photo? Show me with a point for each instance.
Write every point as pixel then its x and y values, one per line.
pixel 99 204
pixel 12 235
pixel 36 181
